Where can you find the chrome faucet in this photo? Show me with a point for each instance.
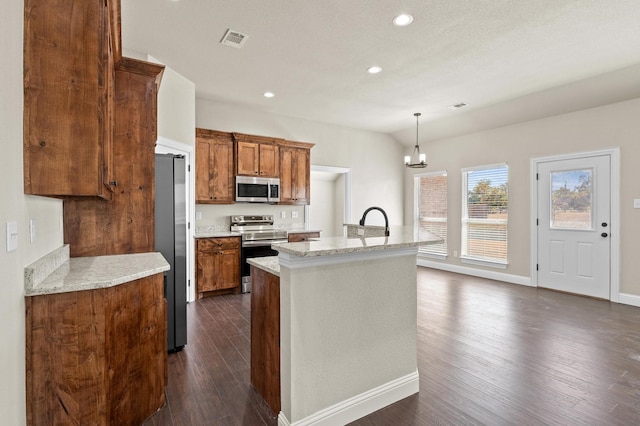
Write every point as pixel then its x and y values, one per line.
pixel 386 219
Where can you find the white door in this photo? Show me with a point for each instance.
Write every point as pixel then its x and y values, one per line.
pixel 574 209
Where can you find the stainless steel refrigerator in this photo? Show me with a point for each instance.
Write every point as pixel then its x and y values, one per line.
pixel 171 241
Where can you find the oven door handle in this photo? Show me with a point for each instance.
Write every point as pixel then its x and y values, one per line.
pixel 262 243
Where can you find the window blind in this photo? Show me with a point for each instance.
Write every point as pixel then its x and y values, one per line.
pixel 485 213
pixel 431 209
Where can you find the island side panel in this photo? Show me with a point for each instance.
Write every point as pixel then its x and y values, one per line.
pixel 347 328
pixel 265 336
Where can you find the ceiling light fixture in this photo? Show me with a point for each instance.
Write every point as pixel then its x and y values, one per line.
pixel 269 94
pixel 374 69
pixel 416 160
pixel 402 20
pixel 458 105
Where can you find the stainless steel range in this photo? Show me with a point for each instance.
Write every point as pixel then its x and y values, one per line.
pixel 258 233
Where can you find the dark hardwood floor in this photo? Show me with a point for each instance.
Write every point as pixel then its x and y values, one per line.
pixel 488 353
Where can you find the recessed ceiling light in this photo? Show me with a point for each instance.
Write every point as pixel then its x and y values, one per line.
pixel 269 94
pixel 402 20
pixel 374 69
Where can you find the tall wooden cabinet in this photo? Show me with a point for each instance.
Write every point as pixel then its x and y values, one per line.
pixel 125 224
pixel 257 156
pixel 68 97
pixel 214 167
pixel 295 174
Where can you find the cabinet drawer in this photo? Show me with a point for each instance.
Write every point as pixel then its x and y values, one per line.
pixel 222 243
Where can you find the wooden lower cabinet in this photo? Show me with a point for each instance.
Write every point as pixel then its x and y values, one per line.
pixel 97 357
pixel 296 237
pixel 217 265
pixel 265 336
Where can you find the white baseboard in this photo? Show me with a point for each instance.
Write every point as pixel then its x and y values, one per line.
pixel 360 405
pixel 483 273
pixel 629 299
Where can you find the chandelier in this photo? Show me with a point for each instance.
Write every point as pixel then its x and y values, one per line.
pixel 416 160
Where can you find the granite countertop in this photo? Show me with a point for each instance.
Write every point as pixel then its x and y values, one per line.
pixel 217 234
pixel 269 264
pixel 399 237
pixel 57 273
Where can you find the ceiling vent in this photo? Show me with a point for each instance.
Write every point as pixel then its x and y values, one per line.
pixel 234 38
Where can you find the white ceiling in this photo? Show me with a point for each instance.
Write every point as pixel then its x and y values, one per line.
pixel 501 57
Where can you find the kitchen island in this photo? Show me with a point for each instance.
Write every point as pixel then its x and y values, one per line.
pixel 347 325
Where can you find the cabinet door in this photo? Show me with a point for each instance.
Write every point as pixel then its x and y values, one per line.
pixel 286 175
pixel 203 170
pixel 269 160
pixel 68 98
pixel 301 176
pixel 229 269
pixel 206 273
pixel 248 161
pixel 222 179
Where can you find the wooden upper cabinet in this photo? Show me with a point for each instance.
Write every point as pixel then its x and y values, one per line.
pixel 68 97
pixel 214 167
pixel 257 156
pixel 295 173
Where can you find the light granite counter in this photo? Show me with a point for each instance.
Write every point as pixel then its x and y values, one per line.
pixel 399 237
pixel 217 234
pixel 269 264
pixel 57 273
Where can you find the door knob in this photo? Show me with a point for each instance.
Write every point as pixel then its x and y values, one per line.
pixel 604 234
pixel 604 224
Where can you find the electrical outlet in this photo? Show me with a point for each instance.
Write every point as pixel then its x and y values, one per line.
pixel 198 215
pixel 636 203
pixel 455 253
pixel 294 215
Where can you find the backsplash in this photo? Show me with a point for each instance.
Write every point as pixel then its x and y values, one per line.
pixel 216 218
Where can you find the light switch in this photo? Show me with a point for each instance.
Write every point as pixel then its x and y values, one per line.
pixel 32 229
pixel 636 203
pixel 12 236
pixel 283 214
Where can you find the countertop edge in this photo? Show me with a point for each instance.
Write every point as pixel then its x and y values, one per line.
pixel 269 264
pixel 92 273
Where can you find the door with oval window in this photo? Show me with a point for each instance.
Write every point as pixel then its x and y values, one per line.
pixel 574 209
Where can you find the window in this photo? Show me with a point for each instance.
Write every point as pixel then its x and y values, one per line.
pixel 484 215
pixel 431 209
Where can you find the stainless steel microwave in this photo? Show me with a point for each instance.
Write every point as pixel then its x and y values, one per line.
pixel 257 190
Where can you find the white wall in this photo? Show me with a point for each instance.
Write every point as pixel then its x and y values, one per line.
pixel 15 206
pixel 375 159
pixel 321 210
pixel 176 107
pixel 610 126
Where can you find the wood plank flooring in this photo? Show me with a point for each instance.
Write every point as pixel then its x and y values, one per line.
pixel 488 353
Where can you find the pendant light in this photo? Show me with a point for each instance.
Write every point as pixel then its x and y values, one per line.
pixel 416 160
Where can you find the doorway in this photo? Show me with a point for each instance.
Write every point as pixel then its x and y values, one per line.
pixel 575 221
pixel 330 206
